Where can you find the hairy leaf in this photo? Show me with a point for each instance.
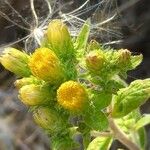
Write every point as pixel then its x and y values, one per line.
pixel 96 120
pixel 100 143
pixel 130 98
pixel 136 60
pixel 101 99
pixel 82 38
pixel 142 122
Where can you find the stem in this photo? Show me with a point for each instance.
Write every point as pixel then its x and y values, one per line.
pixel 86 140
pixel 103 134
pixel 121 136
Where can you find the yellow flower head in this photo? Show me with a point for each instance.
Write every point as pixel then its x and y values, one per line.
pixel 45 65
pixel 71 95
pixel 16 61
pixel 95 60
pixel 59 37
pixel 32 95
pixel 47 118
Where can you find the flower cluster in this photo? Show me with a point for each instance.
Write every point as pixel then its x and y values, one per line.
pixel 43 83
pixel 69 84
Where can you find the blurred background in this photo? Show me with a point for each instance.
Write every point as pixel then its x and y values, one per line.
pixel 116 23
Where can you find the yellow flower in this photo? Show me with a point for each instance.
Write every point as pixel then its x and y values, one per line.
pixel 71 95
pixel 45 65
pixel 48 119
pixel 16 61
pixel 32 95
pixel 59 37
pixel 95 60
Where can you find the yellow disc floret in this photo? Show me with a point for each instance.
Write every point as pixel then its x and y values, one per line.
pixel 71 95
pixel 45 65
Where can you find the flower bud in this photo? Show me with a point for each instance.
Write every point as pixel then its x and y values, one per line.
pixel 45 65
pixel 124 56
pixel 33 95
pixel 71 95
pixel 93 45
pixel 59 38
pixel 48 119
pixel 95 60
pixel 26 81
pixel 15 61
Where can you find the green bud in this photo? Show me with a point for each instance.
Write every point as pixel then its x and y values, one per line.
pixel 33 95
pixel 26 81
pixel 59 38
pixel 126 61
pixel 130 98
pixel 93 45
pixel 119 62
pixel 123 56
pixel 48 119
pixel 16 62
pixel 95 60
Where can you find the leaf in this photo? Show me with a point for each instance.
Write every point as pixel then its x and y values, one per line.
pixel 96 120
pixel 136 60
pixel 131 97
pixel 82 38
pixel 115 84
pixel 100 143
pixel 145 120
pixel 127 125
pixel 101 99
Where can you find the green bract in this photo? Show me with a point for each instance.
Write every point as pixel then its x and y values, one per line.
pixel 48 119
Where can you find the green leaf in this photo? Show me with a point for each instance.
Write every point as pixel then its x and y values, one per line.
pixel 145 120
pixel 101 99
pixel 115 84
pixel 82 38
pixel 136 60
pixel 131 97
pixel 95 119
pixel 100 143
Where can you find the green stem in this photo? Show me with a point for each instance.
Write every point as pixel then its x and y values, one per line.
pixel 86 140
